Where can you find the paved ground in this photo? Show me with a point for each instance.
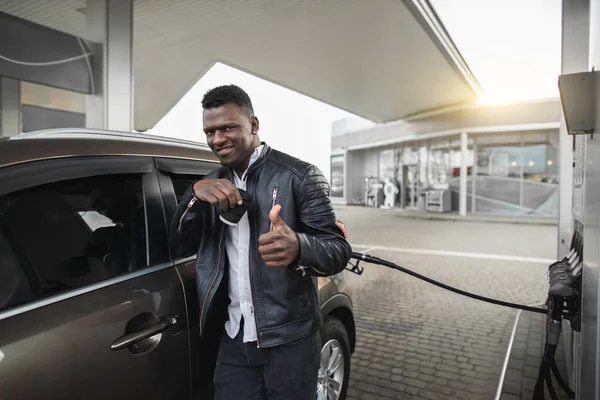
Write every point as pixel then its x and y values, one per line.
pixel 416 341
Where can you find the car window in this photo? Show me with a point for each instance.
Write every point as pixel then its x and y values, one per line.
pixel 14 285
pixel 181 182
pixel 70 234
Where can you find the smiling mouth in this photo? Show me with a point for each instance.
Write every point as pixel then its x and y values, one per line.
pixel 223 151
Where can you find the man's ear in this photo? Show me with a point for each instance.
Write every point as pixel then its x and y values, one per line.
pixel 255 125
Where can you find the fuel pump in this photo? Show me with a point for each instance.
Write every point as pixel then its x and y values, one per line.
pixel 564 301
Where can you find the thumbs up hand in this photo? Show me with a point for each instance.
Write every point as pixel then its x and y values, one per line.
pixel 276 221
pixel 280 246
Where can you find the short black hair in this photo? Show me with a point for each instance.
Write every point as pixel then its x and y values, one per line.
pixel 221 95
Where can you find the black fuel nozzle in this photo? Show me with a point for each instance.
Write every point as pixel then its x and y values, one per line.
pixel 563 274
pixel 355 268
pixel 563 279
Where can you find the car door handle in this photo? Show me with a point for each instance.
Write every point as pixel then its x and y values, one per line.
pixel 127 340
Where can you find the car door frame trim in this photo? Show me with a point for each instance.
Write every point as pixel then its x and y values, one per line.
pixel 181 166
pixel 24 176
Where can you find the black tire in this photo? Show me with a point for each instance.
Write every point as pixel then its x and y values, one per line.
pixel 334 331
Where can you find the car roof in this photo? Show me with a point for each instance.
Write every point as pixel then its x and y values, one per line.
pixel 60 143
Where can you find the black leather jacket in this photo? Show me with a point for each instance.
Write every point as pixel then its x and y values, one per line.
pixel 286 302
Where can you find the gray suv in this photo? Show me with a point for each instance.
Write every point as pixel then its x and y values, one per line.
pixel 92 304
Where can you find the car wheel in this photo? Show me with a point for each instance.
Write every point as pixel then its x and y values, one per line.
pixel 334 371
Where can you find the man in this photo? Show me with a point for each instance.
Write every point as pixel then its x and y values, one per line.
pixel 269 261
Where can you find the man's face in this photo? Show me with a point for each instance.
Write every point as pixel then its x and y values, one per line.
pixel 230 134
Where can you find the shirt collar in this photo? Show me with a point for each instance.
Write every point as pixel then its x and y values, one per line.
pixel 255 156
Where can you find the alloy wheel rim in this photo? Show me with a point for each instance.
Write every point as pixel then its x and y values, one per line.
pixel 331 371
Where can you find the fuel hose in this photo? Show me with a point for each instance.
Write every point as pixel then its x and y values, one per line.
pixel 375 260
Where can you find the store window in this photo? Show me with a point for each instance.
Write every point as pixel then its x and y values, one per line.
pixel 540 175
pixel 498 183
pixel 439 165
pixel 387 165
pixel 517 174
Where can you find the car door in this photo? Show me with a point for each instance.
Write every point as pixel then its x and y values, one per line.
pixel 175 177
pixel 91 307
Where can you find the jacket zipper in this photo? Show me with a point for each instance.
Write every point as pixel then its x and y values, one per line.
pixel 273 201
pixel 252 306
pixel 213 280
pixel 189 206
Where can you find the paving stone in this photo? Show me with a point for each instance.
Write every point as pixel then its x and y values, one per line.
pixel 447 375
pixel 465 366
pixel 512 386
pixel 415 383
pixel 485 370
pixel 375 380
pixel 518 354
pixel 398 387
pixel 447 368
pixel 428 371
pixel 445 389
pixel 412 390
pixel 531 372
pixel 526 395
pixel 369 396
pixel 533 361
pixel 516 364
pixel 483 392
pixel 410 374
pixel 385 376
pixel 379 367
pixel 513 374
pixel 458 385
pixel 529 384
pixel 428 394
pixel 387 393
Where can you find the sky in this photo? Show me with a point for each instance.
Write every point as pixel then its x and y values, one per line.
pixel 512 47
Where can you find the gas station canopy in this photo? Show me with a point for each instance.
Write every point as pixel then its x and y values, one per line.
pixel 382 60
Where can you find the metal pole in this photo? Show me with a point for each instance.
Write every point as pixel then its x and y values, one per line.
pixel 522 173
pixel 464 154
pixel 474 176
pixel 110 23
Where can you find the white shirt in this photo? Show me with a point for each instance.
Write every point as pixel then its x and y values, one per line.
pixel 237 245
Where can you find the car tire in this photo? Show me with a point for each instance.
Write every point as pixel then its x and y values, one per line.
pixel 334 374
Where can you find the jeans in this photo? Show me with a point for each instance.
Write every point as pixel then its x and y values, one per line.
pixel 285 372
